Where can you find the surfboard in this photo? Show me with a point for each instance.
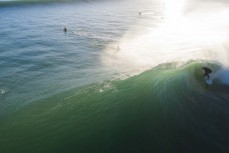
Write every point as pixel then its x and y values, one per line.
pixel 208 81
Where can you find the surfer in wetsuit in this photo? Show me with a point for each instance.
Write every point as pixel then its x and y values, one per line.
pixel 207 71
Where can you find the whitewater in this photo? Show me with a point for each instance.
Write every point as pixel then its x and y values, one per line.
pixel 117 80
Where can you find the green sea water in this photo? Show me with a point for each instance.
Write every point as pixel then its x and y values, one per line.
pixel 160 110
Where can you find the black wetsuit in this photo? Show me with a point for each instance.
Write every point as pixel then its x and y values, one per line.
pixel 207 71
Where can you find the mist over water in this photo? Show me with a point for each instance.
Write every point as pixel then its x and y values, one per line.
pixel 182 31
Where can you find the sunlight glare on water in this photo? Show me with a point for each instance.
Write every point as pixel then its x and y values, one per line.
pixel 184 33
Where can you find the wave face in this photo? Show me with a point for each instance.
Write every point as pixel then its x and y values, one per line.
pixel 160 110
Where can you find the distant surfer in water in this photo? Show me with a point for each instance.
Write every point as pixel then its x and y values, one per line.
pixel 207 71
pixel 65 29
pixel 139 13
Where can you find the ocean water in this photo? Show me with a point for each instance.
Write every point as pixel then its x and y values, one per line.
pixel 117 80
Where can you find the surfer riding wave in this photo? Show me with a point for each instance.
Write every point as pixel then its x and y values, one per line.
pixel 207 71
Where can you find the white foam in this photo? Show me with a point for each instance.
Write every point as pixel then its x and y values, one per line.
pixel 2 91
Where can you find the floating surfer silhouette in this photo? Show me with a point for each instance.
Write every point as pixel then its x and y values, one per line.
pixel 65 29
pixel 207 71
pixel 139 13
